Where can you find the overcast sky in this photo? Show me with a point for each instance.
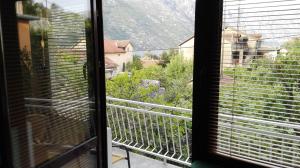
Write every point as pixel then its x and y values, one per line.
pixel 70 5
pixel 276 20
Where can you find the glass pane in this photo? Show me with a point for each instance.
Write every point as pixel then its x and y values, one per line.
pixel 259 112
pixel 149 51
pixel 50 87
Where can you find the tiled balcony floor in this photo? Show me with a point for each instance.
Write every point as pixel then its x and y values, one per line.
pixel 136 160
pixel 139 161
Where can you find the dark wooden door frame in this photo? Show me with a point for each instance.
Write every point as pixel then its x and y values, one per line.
pixel 100 91
pixel 5 141
pixel 208 27
pixel 98 85
pixel 11 61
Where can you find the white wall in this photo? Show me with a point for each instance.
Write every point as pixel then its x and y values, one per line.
pixel 187 49
pixel 226 54
pixel 121 58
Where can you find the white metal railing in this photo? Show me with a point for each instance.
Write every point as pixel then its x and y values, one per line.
pixel 161 131
pixel 165 132
pixel 158 130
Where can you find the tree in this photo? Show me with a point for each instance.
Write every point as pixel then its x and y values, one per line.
pixel 268 90
pixel 34 8
pixel 166 57
pixel 286 70
pixel 136 64
pixel 175 78
pixel 179 74
pixel 128 86
pixel 69 74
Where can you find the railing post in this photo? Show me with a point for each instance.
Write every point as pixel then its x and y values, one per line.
pixel 165 162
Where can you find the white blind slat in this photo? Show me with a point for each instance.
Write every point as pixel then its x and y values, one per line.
pixel 259 92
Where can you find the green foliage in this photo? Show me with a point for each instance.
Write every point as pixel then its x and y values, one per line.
pixel 177 75
pixel 267 89
pixel 69 74
pixel 34 8
pixel 136 64
pixel 179 68
pixel 166 57
pixel 293 47
pixel 128 86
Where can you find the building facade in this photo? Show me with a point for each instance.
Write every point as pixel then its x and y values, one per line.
pixel 186 48
pixel 120 52
pixel 238 48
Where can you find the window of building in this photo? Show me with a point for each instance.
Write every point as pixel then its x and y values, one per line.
pixel 235 55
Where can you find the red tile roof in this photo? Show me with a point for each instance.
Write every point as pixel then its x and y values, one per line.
pixel 123 43
pixel 115 46
pixel 110 64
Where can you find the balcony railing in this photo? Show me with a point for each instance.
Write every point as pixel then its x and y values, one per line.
pixel 164 132
pixel 161 131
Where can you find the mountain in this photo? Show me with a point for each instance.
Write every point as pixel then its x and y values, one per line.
pixel 149 25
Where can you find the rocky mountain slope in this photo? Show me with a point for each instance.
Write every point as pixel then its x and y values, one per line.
pixel 149 24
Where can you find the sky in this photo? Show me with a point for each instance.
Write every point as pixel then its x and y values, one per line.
pixel 276 20
pixel 77 6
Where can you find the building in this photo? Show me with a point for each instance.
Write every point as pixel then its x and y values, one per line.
pixel 117 54
pixel 110 68
pixel 187 48
pixel 120 52
pixel 237 47
pixel 23 25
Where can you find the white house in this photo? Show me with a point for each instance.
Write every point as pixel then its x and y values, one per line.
pixel 186 48
pixel 119 51
pixel 237 47
pixel 117 54
pixel 110 68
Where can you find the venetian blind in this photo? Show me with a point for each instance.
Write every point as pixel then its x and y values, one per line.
pixel 259 95
pixel 49 89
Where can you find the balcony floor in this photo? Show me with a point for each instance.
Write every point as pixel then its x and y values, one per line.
pixel 139 161
pixel 136 160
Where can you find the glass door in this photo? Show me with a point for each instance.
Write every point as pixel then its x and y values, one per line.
pixel 48 54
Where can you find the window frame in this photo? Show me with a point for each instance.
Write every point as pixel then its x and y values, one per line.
pixel 8 20
pixel 208 30
pixel 5 145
